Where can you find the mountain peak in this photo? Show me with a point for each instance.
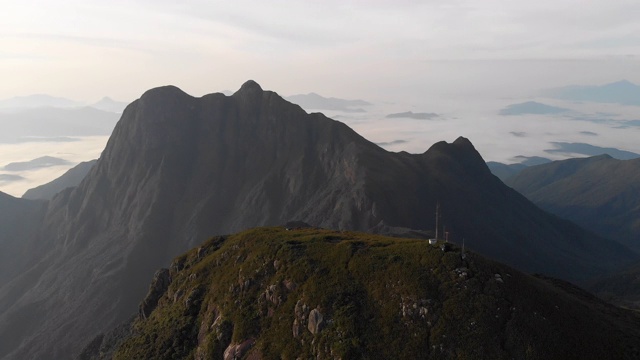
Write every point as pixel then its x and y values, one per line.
pixel 462 141
pixel 250 86
pixel 167 91
pixel 463 152
pixel 624 84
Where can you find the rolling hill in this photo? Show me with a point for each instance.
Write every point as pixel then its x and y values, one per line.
pixel 273 293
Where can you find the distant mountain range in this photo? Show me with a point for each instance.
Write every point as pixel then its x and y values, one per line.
pixel 7 178
pixel 313 101
pixel 599 193
pixel 531 108
pixel 41 162
pixel 591 150
pixel 55 124
pixel 47 101
pixel 412 115
pixel 38 100
pixel 506 171
pixel 622 92
pixel 108 104
pixel 179 169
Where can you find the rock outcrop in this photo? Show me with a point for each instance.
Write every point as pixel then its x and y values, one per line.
pixel 238 351
pixel 316 322
pixel 159 285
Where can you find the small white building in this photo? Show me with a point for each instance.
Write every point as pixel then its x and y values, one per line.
pixel 433 241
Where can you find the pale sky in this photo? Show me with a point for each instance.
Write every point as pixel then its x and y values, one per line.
pixel 86 49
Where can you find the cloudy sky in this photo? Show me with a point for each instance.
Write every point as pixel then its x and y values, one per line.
pixel 86 49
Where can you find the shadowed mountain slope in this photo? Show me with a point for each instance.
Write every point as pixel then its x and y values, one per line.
pixel 599 193
pixel 178 169
pixel 505 171
pixel 19 223
pixel 621 288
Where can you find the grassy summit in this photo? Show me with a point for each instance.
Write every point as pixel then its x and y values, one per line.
pixel 308 293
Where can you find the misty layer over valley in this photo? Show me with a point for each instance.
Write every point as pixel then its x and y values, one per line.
pixel 44 136
pixel 554 124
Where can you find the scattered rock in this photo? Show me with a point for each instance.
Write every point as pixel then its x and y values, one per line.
pixel 316 321
pixel 237 351
pixel 290 285
pixel 178 295
pixel 192 301
pixel 271 294
pixel 296 328
pixel 177 265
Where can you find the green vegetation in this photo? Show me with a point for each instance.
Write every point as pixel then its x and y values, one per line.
pixel 256 293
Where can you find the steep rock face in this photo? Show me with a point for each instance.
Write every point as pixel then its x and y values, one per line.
pixel 178 169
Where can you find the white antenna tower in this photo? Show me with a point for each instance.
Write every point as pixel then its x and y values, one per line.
pixel 437 217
